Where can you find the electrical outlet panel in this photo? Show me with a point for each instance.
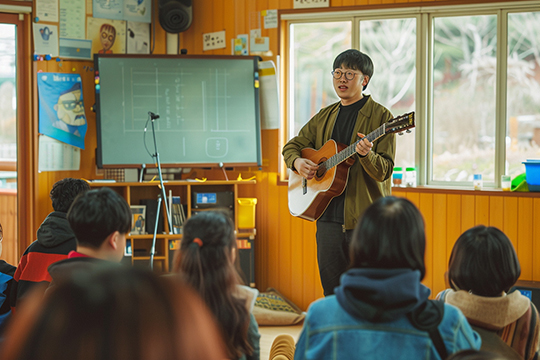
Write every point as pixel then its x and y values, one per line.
pixel 215 40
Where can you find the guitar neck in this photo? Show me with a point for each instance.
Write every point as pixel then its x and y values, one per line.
pixel 351 149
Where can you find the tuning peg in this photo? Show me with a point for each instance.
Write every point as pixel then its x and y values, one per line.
pixel 400 133
pixel 408 131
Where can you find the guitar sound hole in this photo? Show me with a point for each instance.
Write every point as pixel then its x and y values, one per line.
pixel 321 171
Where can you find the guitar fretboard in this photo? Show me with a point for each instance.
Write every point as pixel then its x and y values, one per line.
pixel 351 149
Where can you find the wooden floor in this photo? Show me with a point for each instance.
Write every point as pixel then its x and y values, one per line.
pixel 269 333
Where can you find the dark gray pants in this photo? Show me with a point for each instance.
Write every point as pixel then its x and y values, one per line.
pixel 332 253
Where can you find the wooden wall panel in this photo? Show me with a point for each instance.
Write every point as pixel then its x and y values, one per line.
pixel 426 203
pixel 525 233
pixel 496 217
pixel 8 219
pixel 440 224
pixel 467 212
pixel 510 225
pixel 453 222
pixel 481 209
pixel 535 236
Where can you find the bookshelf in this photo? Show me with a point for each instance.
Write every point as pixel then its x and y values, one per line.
pixel 135 192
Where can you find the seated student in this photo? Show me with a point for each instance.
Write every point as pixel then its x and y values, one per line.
pixel 381 310
pixel 100 220
pixel 119 313
pixel 6 280
pixel 206 261
pixel 482 268
pixel 55 240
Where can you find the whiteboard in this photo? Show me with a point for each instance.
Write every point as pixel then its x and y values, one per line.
pixel 208 109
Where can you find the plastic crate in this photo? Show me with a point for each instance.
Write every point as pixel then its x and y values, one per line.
pixel 246 213
pixel 532 174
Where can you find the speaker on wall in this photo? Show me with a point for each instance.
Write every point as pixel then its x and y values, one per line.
pixel 175 15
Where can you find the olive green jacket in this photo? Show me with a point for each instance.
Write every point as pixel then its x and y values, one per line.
pixel 370 176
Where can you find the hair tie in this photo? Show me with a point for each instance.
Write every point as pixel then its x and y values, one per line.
pixel 198 242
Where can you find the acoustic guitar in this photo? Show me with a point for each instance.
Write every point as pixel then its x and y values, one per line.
pixel 309 198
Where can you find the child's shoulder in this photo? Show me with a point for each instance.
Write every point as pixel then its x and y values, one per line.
pixel 6 268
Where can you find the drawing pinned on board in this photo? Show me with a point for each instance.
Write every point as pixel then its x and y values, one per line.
pixel 45 39
pixel 215 40
pixel 241 45
pixel 108 36
pixel 61 108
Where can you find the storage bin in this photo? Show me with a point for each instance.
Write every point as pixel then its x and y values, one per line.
pixel 532 174
pixel 246 213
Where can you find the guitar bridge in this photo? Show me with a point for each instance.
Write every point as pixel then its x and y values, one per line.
pixel 304 186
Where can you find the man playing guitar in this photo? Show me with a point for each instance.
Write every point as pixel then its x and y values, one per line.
pixel 369 178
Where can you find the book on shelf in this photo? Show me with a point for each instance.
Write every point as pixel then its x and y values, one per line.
pixel 177 215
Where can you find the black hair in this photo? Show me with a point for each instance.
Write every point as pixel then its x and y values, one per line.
pixel 96 214
pixel 356 60
pixel 484 262
pixel 390 235
pixel 205 261
pixel 111 312
pixel 65 191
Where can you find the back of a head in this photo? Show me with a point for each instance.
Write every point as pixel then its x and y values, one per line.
pixel 65 191
pixel 96 214
pixel 205 261
pixel 356 60
pixel 390 235
pixel 484 262
pixel 205 252
pixel 115 313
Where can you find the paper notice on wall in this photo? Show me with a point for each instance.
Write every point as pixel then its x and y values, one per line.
pixel 305 4
pixel 108 9
pixel 72 19
pixel 55 155
pixel 270 113
pixel 138 38
pixel 45 39
pixel 138 10
pixel 259 45
pixel 47 10
pixel 270 19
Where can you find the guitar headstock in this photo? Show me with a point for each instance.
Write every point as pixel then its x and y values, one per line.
pixel 401 123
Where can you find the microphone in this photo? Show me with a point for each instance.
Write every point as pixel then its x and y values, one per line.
pixel 153 116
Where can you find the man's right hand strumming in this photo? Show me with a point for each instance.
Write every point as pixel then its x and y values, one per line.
pixel 305 167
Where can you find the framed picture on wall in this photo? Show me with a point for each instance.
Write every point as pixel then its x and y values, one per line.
pixel 138 222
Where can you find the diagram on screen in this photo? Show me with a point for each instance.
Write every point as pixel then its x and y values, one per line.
pixel 208 109
pixel 205 94
pixel 217 147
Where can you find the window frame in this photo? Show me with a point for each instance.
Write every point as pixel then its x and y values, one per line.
pixel 424 72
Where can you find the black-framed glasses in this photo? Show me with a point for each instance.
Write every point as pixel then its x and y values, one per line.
pixel 349 75
pixel 72 104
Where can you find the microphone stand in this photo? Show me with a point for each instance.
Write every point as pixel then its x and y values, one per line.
pixel 162 196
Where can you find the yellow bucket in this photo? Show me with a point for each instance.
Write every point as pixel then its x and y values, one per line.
pixel 246 213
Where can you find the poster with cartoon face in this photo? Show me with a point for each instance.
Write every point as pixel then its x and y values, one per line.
pixel 108 36
pixel 61 107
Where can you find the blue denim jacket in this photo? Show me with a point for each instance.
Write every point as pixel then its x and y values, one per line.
pixel 330 332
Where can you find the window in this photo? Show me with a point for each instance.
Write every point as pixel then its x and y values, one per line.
pixel 313 47
pixel 523 90
pixel 464 74
pixel 8 107
pixel 391 45
pixel 477 106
